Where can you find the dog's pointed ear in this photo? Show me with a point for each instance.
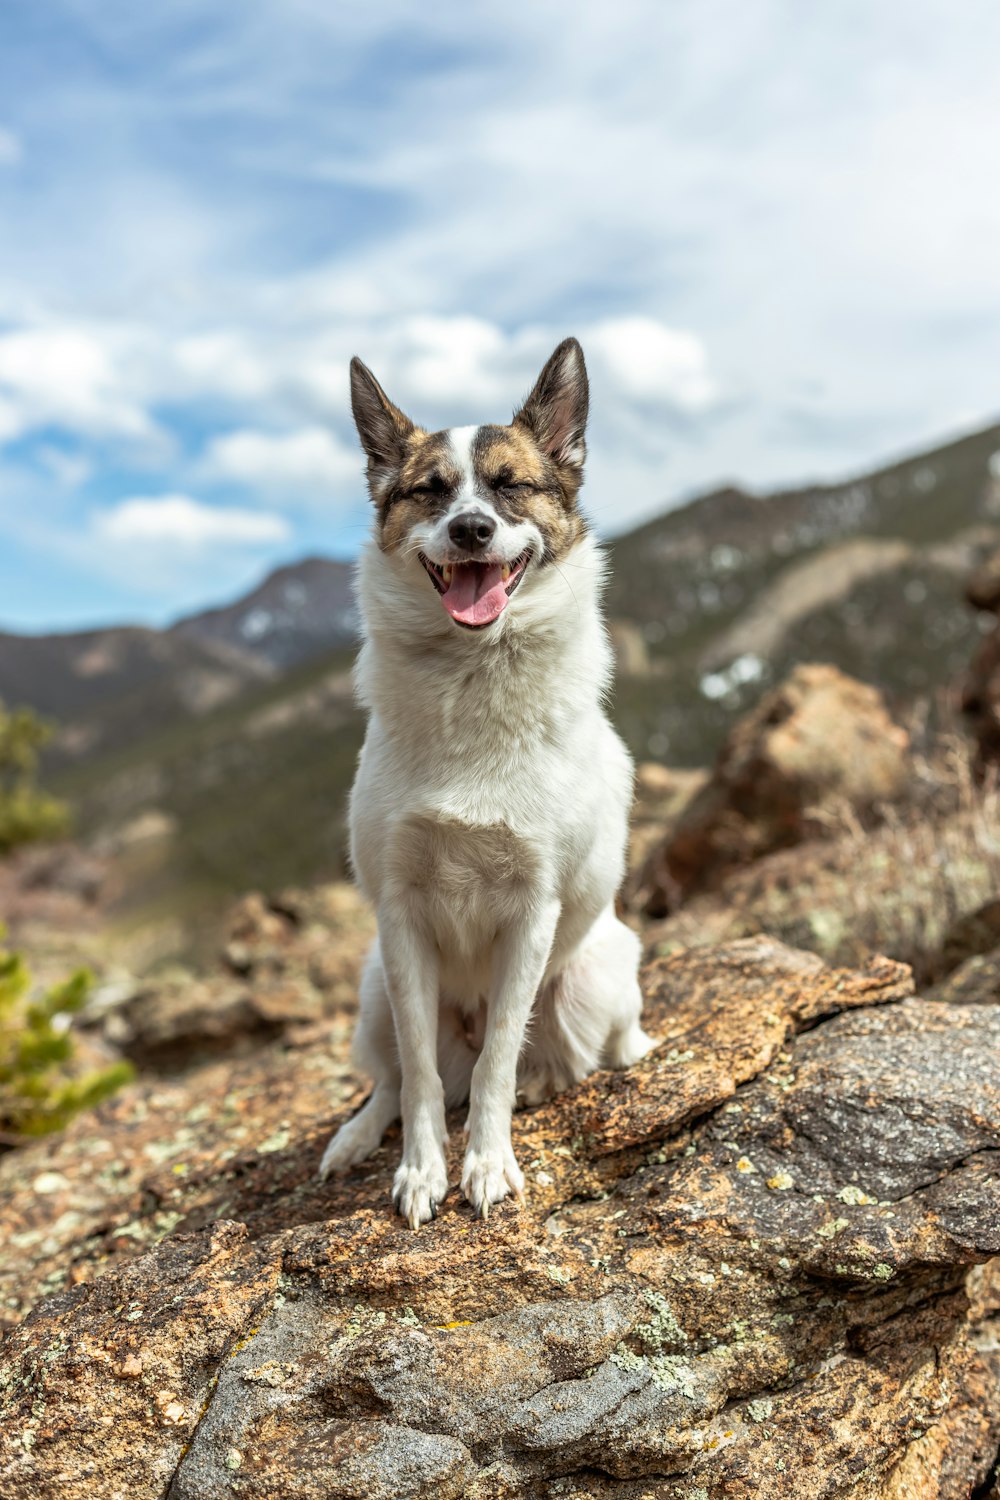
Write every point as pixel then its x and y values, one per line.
pixel 556 411
pixel 382 427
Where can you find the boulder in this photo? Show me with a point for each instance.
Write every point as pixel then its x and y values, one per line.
pixel 817 750
pixel 918 888
pixel 761 1262
pixel 287 964
pixel 974 982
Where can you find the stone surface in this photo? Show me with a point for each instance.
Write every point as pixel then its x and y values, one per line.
pixel 761 1263
pixel 286 964
pixel 817 744
pixel 920 888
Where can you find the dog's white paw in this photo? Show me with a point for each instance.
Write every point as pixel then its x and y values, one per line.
pixel 537 1084
pixel 629 1047
pixel 418 1191
pixel 488 1176
pixel 354 1142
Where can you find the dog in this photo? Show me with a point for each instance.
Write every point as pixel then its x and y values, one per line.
pixel 488 818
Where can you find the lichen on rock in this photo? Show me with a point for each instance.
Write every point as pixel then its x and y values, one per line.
pixel 656 1320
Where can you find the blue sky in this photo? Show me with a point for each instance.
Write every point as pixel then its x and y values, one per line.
pixel 774 227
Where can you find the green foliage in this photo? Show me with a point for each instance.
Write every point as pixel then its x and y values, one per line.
pixel 26 813
pixel 39 1091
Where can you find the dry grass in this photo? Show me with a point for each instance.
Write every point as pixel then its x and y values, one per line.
pixel 934 859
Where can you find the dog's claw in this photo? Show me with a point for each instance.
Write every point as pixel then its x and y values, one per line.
pixel 489 1177
pixel 419 1191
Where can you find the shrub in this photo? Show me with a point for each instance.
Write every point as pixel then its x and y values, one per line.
pixel 26 813
pixel 39 1088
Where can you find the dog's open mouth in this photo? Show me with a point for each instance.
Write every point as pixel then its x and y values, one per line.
pixel 476 593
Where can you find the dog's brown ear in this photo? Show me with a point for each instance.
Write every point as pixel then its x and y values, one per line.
pixel 382 427
pixel 556 411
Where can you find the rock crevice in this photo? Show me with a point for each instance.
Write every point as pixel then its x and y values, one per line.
pixel 762 1262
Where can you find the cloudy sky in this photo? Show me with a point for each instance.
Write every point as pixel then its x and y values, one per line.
pixel 775 228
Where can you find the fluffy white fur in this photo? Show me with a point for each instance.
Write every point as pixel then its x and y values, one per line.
pixel 488 826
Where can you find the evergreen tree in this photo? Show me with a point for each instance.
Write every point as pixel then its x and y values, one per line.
pixel 39 1090
pixel 26 813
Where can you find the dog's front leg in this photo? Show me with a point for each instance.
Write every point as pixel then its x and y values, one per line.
pixel 491 1171
pixel 412 980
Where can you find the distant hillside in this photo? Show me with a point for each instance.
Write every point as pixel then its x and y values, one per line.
pixel 108 688
pixel 216 756
pixel 296 613
pixel 731 590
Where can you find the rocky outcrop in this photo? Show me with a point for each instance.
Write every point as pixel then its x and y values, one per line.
pixel 287 965
pixel 815 746
pixel 760 1263
pixel 919 888
pixel 661 795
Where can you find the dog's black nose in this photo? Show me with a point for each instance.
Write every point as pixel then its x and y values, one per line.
pixel 472 530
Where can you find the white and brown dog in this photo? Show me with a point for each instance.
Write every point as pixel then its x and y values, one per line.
pixel 488 817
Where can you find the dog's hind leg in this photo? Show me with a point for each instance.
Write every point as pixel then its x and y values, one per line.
pixel 374 1053
pixel 588 1016
pixel 613 952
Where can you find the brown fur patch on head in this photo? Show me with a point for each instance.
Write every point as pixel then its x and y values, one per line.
pixel 524 483
pixel 530 470
pixel 420 488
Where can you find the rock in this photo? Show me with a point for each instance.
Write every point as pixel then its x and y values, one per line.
pixel 980 701
pixel 980 689
pixel 970 934
pixel 762 1262
pixel 983 588
pixel 909 888
pixel 175 1022
pixel 661 795
pixel 975 982
pixel 814 746
pixel 287 964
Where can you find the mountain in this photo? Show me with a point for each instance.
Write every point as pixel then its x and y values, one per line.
pixel 215 756
pixel 107 688
pixel 296 613
pixel 733 589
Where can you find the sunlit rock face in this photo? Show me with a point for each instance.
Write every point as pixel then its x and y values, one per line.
pixel 758 1263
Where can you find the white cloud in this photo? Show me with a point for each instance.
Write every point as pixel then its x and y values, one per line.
pixel 649 362
pixel 310 460
pixel 774 241
pixel 178 521
pixel 11 149
pixel 69 377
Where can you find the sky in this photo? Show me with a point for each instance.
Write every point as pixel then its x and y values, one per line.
pixel 775 228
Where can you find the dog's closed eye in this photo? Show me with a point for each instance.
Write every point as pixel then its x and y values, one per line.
pixel 430 487
pixel 508 485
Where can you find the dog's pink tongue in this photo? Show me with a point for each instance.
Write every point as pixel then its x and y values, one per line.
pixel 476 594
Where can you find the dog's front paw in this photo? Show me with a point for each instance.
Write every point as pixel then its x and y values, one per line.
pixel 419 1190
pixel 489 1175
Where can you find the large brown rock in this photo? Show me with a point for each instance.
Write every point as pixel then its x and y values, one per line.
pixel 817 745
pixel 921 889
pixel 761 1263
pixel 980 700
pixel 287 964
